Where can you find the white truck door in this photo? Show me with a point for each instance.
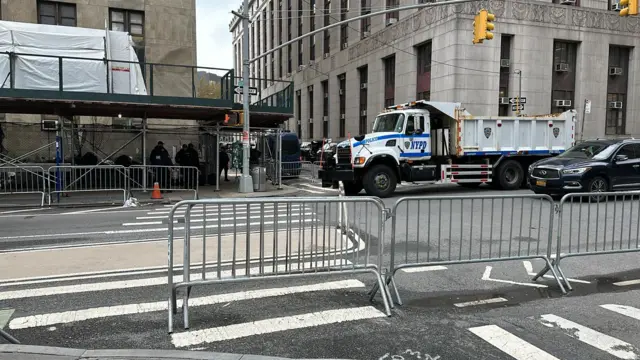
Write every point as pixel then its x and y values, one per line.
pixel 415 139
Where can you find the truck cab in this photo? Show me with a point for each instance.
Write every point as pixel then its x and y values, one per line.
pixel 440 142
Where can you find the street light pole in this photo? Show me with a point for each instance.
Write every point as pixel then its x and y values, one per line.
pixel 519 72
pixel 246 184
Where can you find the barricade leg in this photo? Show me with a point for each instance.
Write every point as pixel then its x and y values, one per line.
pixel 552 265
pixel 8 337
pixel 383 293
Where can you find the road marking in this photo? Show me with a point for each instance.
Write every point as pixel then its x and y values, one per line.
pixel 481 302
pixel 239 208
pixel 320 188
pixel 5 316
pixel 128 284
pixel 273 325
pixel 623 310
pixel 423 269
pixel 94 210
pixel 529 267
pixel 209 213
pixel 627 283
pixel 146 223
pixel 510 344
pixel 487 277
pixel 23 210
pixel 130 309
pixel 137 231
pixel 613 346
pixel 312 191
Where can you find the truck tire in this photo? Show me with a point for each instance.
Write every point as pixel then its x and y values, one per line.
pixel 352 188
pixel 380 181
pixel 510 175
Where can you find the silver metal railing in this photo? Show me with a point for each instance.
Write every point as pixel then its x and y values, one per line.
pixel 588 224
pixel 169 178
pixel 444 230
pixel 17 180
pixel 101 178
pixel 232 240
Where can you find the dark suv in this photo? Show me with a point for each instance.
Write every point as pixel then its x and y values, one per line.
pixel 591 166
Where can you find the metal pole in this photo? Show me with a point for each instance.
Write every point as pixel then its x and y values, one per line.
pixel 246 185
pixel 279 162
pixel 144 154
pixel 218 168
pixel 584 117
pixel 520 92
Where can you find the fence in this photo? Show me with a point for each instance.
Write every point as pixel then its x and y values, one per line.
pixel 68 179
pixel 169 178
pixel 611 227
pixel 23 180
pixel 283 237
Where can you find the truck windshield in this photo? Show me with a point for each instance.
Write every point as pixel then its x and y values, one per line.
pixel 597 151
pixel 389 123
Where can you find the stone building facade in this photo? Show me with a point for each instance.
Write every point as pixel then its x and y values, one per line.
pixel 164 31
pixel 562 52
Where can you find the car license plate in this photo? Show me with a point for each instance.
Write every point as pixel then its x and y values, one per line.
pixel 541 182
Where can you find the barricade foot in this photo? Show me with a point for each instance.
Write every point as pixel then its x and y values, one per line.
pixel 564 278
pixel 384 294
pixel 551 266
pixel 8 337
pixel 391 281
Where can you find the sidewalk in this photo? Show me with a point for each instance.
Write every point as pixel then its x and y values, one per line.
pixel 28 352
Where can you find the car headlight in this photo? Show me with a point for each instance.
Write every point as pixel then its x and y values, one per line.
pixel 575 171
pixel 530 168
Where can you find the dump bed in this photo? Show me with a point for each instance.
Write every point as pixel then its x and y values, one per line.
pixel 505 135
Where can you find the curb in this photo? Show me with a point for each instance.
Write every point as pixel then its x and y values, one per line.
pixel 10 352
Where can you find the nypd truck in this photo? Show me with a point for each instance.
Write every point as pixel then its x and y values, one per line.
pixel 427 142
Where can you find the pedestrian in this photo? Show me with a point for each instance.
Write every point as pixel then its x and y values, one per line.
pixel 182 156
pixel 193 160
pixel 224 163
pixel 160 159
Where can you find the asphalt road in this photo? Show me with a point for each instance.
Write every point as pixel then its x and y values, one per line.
pixel 490 310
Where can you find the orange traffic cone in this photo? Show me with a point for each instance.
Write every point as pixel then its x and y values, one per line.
pixel 155 194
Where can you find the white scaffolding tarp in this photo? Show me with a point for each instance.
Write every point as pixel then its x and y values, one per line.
pixel 37 47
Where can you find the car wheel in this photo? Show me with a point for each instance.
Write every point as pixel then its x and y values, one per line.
pixel 598 185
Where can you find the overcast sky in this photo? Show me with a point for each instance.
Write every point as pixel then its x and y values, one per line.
pixel 214 38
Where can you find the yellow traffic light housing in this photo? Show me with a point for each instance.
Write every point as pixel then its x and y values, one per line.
pixel 483 25
pixel 628 7
pixel 235 118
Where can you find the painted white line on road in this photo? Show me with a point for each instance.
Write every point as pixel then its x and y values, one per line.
pixel 529 268
pixel 130 309
pixel 423 269
pixel 273 325
pixel 240 211
pixel 623 310
pixel 487 277
pixel 510 344
pixel 312 191
pixel 107 209
pixel 138 231
pixel 264 216
pixel 481 302
pixel 321 188
pixel 135 283
pixel 627 282
pixel 239 208
pixel 23 210
pixel 604 342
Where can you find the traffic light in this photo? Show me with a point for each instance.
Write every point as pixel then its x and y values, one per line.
pixel 483 25
pixel 235 118
pixel 628 7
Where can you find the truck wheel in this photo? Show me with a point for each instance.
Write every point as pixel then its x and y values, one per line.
pixel 510 175
pixel 352 188
pixel 380 181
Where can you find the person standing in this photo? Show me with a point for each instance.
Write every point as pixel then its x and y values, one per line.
pixel 193 160
pixel 159 159
pixel 224 163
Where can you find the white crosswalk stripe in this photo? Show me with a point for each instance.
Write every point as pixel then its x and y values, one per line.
pixel 520 349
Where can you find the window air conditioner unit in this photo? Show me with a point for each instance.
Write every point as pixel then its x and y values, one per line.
pixel 615 104
pixel 310 121
pixel 562 103
pixel 616 7
pixel 568 2
pixel 504 101
pixel 325 118
pixel 561 67
pixel 341 77
pixel 326 55
pixel 311 62
pixel 326 95
pixel 345 45
pixel 363 86
pixel 300 67
pixel 299 122
pixel 340 92
pixel 288 74
pixel 615 70
pixel 342 116
pixel 504 63
pixel 363 113
pixel 366 33
pixel 391 21
pixel 50 125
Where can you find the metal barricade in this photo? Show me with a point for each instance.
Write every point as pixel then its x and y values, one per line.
pixel 169 178
pixel 237 240
pixel 97 178
pixel 16 180
pixel 469 229
pixel 612 227
pixel 292 169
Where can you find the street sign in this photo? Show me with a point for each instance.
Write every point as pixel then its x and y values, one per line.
pixel 252 90
pixel 514 100
pixel 516 107
pixel 587 106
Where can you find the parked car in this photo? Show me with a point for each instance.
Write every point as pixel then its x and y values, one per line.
pixel 591 166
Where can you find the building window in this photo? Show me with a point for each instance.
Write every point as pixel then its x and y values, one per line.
pixel 365 24
pixel 392 4
pixel 344 29
pixel 342 90
pixel 280 65
pixel 617 85
pixel 312 48
pixel 389 80
pixel 56 13
pixel 310 94
pixel 616 119
pixel 327 35
pixel 505 73
pixel 300 53
pixel 132 22
pixel 264 28
pixel 363 74
pixel 325 108
pixel 299 112
pixel 289 62
pixel 563 79
pixel 423 81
